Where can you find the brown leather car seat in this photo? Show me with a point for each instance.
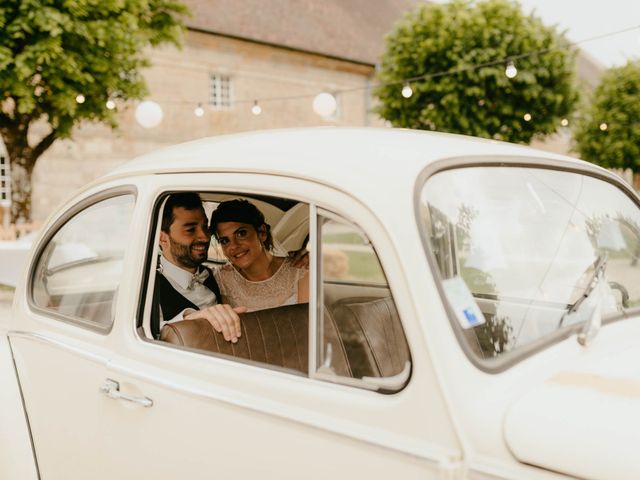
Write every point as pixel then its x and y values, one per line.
pixel 276 336
pixel 372 336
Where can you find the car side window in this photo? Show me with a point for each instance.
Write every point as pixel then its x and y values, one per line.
pixel 359 333
pixel 357 338
pixel 80 267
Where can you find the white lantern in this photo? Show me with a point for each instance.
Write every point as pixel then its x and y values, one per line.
pixel 149 114
pixel 325 104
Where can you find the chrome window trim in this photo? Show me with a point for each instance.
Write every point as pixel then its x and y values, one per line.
pixel 508 360
pixel 315 288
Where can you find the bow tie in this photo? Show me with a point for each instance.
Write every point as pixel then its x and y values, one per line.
pixel 198 278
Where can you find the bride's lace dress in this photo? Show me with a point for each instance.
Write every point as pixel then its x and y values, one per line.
pixel 280 289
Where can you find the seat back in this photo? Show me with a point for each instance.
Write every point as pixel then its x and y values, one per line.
pixel 372 336
pixel 276 336
pixel 365 335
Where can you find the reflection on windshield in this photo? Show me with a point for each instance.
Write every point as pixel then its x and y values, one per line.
pixel 527 242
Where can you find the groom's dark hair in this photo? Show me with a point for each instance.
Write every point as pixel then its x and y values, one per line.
pixel 186 200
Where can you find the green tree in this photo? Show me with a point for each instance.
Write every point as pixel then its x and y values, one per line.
pixel 52 51
pixel 609 132
pixel 455 38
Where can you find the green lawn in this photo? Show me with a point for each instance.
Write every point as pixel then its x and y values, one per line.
pixel 364 266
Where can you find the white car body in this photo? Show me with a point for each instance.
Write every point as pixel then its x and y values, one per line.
pixel 564 410
pixel 13 257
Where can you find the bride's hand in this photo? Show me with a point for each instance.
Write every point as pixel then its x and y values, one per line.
pixel 300 258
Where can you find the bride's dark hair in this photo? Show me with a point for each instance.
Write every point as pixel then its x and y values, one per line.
pixel 241 211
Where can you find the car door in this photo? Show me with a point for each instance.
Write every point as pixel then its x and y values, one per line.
pixel 60 335
pixel 214 415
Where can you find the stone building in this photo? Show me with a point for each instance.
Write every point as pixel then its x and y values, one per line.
pixel 282 53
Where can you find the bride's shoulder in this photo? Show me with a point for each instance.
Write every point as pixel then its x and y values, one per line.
pixel 223 269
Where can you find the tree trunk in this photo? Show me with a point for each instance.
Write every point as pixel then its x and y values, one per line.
pixel 20 190
pixel 22 158
pixel 21 164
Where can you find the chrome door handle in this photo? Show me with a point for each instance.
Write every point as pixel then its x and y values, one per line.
pixel 111 389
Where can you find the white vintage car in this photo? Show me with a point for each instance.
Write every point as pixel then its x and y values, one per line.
pixel 474 314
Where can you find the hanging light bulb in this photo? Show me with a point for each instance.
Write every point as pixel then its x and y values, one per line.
pixel 511 71
pixel 527 117
pixel 564 122
pixel 325 105
pixel 149 114
pixel 111 104
pixel 256 109
pixel 407 91
pixel 80 98
pixel 199 111
pixel 603 126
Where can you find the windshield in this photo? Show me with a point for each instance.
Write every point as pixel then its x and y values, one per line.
pixel 519 249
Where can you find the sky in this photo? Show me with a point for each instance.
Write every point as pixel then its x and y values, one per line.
pixel 584 19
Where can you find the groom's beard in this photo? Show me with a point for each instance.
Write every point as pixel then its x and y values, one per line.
pixel 186 256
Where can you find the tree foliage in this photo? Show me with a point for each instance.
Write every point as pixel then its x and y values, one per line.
pixel 454 38
pixel 615 106
pixel 53 50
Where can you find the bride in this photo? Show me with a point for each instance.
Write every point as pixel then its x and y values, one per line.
pixel 254 277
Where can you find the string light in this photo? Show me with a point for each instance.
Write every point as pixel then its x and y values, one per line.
pixel 603 126
pixel 199 111
pixel 511 71
pixel 111 104
pixel 80 98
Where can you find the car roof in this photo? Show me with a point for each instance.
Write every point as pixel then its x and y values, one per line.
pixel 357 160
pixel 314 150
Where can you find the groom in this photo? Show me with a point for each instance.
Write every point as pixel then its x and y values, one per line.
pixel 185 289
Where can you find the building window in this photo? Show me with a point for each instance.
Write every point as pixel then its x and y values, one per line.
pixel 5 181
pixel 220 92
